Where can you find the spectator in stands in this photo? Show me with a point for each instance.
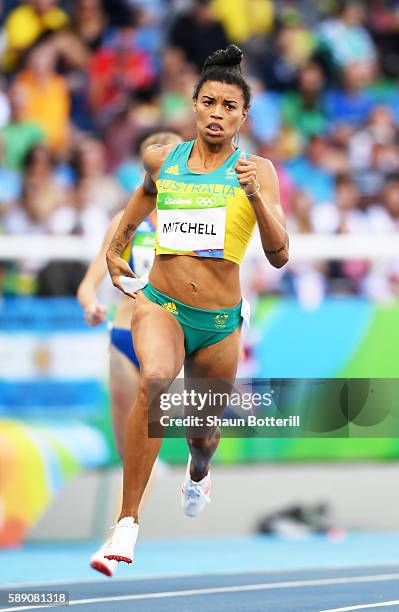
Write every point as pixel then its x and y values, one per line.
pixel 380 128
pixel 244 19
pixel 300 220
pixel 345 35
pixel 302 108
pixel 382 284
pixel 90 22
pixel 41 195
pixel 5 110
pixel 351 102
pixel 197 34
pixel 10 183
pixel 119 69
pixel 121 137
pixel 344 215
pixel 310 11
pixel 384 23
pixel 350 218
pixel 90 164
pixel 384 216
pixel 27 23
pixel 290 48
pixel 390 199
pixel 46 100
pixel 81 216
pixel 176 97
pixel 264 104
pixel 308 174
pixel 32 213
pixel 40 166
pixel 383 163
pixel 287 187
pixel 19 136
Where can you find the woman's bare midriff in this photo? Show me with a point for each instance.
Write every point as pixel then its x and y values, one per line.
pixel 201 282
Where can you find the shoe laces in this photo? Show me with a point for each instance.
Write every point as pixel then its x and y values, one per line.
pixel 196 491
pixel 120 534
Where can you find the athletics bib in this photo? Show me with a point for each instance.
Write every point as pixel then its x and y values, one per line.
pixel 191 221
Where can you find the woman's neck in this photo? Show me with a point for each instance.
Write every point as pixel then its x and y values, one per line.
pixel 209 156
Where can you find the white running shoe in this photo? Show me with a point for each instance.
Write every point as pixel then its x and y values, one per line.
pixel 195 495
pixel 101 564
pixel 120 546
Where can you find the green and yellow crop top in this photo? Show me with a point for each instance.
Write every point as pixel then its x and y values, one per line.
pixel 202 215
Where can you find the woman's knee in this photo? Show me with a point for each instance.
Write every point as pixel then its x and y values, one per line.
pixel 153 382
pixel 198 444
pixel 157 374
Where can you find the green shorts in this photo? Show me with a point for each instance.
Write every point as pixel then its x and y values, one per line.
pixel 200 327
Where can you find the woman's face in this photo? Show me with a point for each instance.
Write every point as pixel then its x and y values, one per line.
pixel 40 160
pixel 220 112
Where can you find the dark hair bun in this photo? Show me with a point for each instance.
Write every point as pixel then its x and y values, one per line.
pixel 228 58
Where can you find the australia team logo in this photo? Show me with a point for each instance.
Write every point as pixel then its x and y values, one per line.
pixel 221 320
pixel 231 173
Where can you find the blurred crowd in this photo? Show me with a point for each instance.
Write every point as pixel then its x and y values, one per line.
pixel 85 81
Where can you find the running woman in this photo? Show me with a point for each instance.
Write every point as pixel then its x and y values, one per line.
pixel 210 195
pixel 123 362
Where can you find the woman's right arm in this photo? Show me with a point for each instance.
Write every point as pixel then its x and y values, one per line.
pixel 141 203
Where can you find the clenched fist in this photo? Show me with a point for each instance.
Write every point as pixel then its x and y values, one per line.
pixel 247 175
pixel 95 314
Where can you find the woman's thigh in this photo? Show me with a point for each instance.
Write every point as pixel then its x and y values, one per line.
pixel 216 361
pixel 158 339
pixel 211 373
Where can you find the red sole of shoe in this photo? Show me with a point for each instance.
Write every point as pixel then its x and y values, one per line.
pixel 100 567
pixel 118 558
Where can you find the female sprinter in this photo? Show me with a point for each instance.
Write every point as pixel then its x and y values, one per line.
pixel 209 197
pixel 123 362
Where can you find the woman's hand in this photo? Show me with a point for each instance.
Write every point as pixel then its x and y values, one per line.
pixel 118 267
pixel 95 314
pixel 247 174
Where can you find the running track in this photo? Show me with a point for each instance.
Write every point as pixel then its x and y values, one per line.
pixel 239 575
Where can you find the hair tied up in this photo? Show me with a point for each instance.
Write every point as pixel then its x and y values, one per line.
pixel 228 58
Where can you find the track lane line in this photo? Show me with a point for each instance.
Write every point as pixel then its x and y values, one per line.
pixel 381 604
pixel 268 586
pixel 166 575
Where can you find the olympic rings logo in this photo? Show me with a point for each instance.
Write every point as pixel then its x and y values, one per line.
pixel 206 201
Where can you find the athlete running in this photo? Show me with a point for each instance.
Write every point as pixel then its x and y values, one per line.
pixel 210 194
pixel 123 362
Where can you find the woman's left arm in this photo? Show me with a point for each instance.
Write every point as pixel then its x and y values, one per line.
pixel 258 178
